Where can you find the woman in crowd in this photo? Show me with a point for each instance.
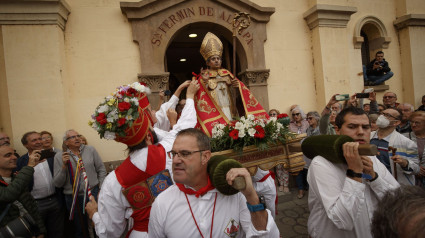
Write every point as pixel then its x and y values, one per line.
pixel 282 175
pixel 298 124
pixel 313 119
pixel 417 123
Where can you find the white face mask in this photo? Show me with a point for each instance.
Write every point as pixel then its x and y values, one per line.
pixel 382 122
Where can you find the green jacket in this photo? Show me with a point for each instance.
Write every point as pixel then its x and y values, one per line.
pixel 18 190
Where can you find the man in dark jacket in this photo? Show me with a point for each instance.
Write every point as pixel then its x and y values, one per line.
pixel 48 198
pixel 377 71
pixel 14 196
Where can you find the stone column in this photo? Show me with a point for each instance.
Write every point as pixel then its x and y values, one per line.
pixel 411 31
pixel 32 67
pixel 256 81
pixel 330 50
pixel 156 82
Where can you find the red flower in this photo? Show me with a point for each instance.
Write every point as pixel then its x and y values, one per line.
pixel 260 132
pixel 234 134
pixel 123 106
pixel 132 91
pixel 233 123
pixel 121 122
pixel 101 118
pixel 282 115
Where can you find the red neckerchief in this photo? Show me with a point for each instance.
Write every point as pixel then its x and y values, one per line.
pixel 198 193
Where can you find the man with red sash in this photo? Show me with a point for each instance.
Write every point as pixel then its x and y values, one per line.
pixel 126 192
pixel 193 207
pixel 215 104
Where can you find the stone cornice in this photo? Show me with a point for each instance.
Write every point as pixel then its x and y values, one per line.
pixel 34 12
pixel 328 15
pixel 409 20
pixel 146 8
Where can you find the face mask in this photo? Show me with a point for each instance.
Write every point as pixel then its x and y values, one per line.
pixel 382 122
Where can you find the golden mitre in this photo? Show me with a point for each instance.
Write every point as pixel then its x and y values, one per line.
pixel 211 45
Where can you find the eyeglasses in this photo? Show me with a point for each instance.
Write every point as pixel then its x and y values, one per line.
pixel 416 123
pixel 296 114
pixel 73 137
pixel 182 154
pixel 389 115
pixel 388 97
pixel 310 118
pixel 5 138
pixel 273 114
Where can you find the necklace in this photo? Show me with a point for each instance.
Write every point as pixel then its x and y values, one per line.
pixel 212 219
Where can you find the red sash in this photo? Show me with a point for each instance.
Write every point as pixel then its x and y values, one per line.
pixel 209 113
pixel 138 196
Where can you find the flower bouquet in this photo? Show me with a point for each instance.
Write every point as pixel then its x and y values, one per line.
pixel 116 113
pixel 251 131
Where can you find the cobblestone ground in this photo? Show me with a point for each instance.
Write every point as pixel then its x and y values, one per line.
pixel 292 215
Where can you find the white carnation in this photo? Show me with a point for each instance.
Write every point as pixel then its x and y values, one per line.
pixel 126 99
pixel 251 117
pixel 102 108
pixel 109 135
pixel 239 126
pixel 251 132
pixel 241 134
pixel 135 101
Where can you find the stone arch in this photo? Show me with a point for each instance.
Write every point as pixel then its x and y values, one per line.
pixel 375 30
pixel 155 22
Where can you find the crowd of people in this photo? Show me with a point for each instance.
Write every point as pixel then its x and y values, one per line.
pixel 164 189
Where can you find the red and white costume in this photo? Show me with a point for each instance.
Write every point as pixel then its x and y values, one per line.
pixel 172 218
pixel 113 206
pixel 264 185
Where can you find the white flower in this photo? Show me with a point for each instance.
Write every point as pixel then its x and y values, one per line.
pixel 251 117
pixel 241 134
pixel 135 101
pixel 109 135
pixel 95 126
pixel 103 108
pixel 140 88
pixel 251 132
pixel 129 117
pixel 239 126
pixel 126 99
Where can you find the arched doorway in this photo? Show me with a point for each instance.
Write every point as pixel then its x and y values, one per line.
pixel 183 57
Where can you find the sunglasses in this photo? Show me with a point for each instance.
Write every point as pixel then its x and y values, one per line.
pixel 310 118
pixel 296 114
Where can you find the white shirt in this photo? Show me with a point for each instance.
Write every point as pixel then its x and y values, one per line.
pixel 43 181
pixel 171 217
pixel 407 149
pixel 266 188
pixel 161 115
pixel 340 206
pixel 113 207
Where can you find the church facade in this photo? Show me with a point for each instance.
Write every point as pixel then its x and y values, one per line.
pixel 59 58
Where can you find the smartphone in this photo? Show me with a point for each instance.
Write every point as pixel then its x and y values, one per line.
pixel 362 95
pixel 167 92
pixel 342 97
pixel 48 153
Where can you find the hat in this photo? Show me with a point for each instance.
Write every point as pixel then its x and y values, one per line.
pixel 210 46
pixel 124 116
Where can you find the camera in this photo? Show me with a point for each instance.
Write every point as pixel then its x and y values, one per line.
pixel 167 92
pixel 23 226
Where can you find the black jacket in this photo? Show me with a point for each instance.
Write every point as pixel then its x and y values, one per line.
pixel 17 190
pixel 378 71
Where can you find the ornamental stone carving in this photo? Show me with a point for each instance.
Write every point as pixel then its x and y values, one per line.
pixel 155 82
pixel 255 77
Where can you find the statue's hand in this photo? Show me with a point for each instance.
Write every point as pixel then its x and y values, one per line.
pixel 205 74
pixel 235 83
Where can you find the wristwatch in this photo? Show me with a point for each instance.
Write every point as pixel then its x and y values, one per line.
pixel 259 207
pixel 352 174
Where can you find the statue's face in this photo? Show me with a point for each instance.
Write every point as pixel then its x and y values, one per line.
pixel 214 62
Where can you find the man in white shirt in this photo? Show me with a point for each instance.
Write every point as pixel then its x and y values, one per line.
pixel 145 159
pixel 194 208
pixel 341 200
pixel 42 188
